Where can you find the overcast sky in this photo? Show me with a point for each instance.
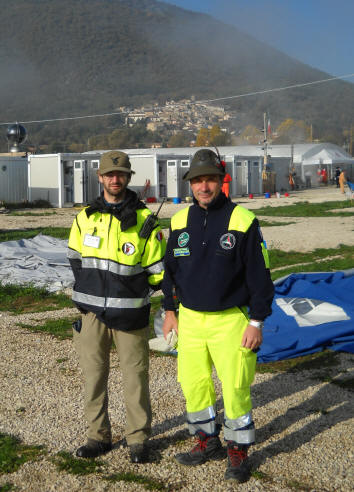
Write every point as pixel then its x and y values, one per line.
pixel 319 33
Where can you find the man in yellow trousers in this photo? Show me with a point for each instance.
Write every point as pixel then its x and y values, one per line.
pixel 217 261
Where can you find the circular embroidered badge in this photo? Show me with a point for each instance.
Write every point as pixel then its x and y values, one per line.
pixel 183 239
pixel 128 249
pixel 227 241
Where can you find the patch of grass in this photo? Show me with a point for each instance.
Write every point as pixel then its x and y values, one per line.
pixel 267 223
pixel 13 453
pixel 40 203
pixel 18 234
pixel 64 359
pixel 58 328
pixel 30 214
pixel 64 461
pixel 279 258
pixel 19 299
pixel 258 475
pixel 319 260
pixel 306 209
pixel 294 484
pixel 148 483
pixel 319 360
pixel 7 486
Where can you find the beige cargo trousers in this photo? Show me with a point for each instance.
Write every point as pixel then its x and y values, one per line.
pixel 93 345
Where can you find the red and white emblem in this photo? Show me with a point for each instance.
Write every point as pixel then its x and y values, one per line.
pixel 128 249
pixel 227 241
pixel 159 236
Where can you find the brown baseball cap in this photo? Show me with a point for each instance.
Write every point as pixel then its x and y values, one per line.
pixel 115 160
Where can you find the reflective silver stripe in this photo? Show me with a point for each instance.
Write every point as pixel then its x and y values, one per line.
pixel 127 303
pixel 110 302
pixel 87 299
pixel 234 429
pixel 155 269
pixel 203 420
pixel 112 266
pixel 246 436
pixel 205 414
pixel 240 422
pixel 73 255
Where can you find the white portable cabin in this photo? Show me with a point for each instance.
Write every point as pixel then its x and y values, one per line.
pixel 13 178
pixel 159 172
pixel 165 168
pixel 63 179
pixel 67 179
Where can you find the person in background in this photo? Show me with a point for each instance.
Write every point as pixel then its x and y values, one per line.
pixel 342 181
pixel 115 263
pixel 226 181
pixel 336 175
pixel 217 261
pixel 324 176
pixel 308 176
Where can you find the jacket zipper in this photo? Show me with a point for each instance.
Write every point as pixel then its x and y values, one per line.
pixel 204 227
pixel 106 283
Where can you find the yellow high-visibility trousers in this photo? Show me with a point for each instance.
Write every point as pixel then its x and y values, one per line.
pixel 214 338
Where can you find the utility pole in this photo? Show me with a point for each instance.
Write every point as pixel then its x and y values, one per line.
pixel 265 142
pixel 351 141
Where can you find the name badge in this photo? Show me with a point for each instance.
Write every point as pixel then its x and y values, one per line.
pixel 92 241
pixel 181 252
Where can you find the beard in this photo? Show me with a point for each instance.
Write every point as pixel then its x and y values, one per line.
pixel 115 193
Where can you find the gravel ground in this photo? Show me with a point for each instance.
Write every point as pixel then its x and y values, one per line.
pixel 304 423
pixel 301 233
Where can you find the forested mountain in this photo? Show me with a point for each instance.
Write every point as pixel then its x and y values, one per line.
pixel 79 57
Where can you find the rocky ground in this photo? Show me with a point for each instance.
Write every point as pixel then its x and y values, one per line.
pixel 304 419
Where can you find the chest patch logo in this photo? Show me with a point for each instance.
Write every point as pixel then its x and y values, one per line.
pixel 227 241
pixel 183 239
pixel 159 236
pixel 128 249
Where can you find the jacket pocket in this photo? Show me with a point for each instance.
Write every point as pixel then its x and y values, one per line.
pixel 245 367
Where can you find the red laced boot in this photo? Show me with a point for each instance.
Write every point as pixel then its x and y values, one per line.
pixel 206 448
pixel 237 462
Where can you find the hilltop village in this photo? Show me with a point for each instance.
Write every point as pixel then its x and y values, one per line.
pixel 185 115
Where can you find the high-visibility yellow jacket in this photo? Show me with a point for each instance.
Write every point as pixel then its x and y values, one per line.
pixel 114 268
pixel 216 259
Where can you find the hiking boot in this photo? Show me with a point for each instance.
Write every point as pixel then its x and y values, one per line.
pixel 206 448
pixel 237 462
pixel 139 453
pixel 93 449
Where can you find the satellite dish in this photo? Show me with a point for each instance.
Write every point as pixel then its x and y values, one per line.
pixel 16 134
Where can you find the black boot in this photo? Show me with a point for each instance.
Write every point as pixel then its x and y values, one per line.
pixel 93 449
pixel 237 462
pixel 206 448
pixel 139 453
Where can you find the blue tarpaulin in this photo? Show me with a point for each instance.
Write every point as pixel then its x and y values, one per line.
pixel 311 312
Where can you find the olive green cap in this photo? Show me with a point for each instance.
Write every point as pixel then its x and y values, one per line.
pixel 115 161
pixel 204 163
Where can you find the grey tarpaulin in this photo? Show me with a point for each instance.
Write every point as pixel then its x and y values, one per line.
pixel 40 261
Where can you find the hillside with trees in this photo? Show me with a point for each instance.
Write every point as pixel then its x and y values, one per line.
pixel 86 57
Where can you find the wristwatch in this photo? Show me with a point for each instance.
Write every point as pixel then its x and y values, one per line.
pixel 256 324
